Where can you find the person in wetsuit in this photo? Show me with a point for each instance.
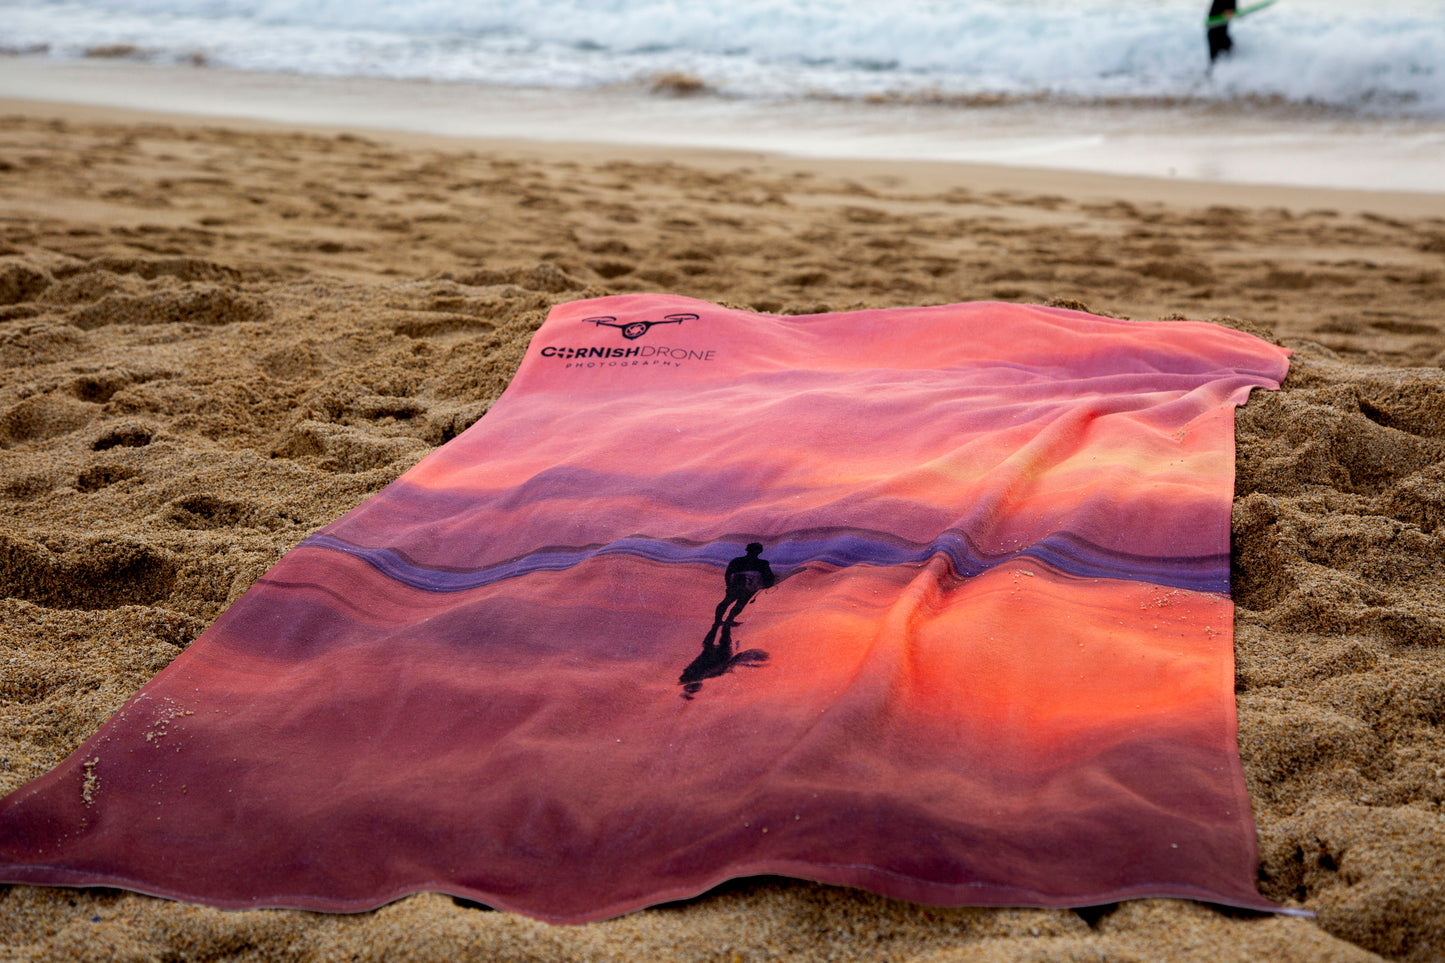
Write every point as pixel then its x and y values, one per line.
pixel 746 576
pixel 1219 42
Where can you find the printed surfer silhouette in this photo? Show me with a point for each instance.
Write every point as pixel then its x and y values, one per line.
pixel 746 576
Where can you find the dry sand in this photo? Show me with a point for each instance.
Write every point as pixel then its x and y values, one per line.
pixel 213 341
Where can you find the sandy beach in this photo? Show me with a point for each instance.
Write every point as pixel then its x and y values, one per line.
pixel 1150 139
pixel 218 335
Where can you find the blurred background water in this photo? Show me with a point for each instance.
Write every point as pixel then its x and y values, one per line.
pixel 1381 59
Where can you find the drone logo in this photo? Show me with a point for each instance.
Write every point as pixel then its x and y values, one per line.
pixel 636 329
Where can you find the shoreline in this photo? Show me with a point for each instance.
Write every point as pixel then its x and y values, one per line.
pixel 920 176
pixel 1255 153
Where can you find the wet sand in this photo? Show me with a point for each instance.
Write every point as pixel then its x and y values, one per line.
pixel 1234 142
pixel 217 336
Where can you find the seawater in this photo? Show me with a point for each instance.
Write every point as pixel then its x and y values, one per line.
pixel 1381 59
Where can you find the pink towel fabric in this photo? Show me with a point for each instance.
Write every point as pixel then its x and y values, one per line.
pixel 931 601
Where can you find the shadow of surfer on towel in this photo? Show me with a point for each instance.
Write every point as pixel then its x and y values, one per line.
pixel 746 576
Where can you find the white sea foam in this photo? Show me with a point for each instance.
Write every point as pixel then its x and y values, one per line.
pixel 1380 59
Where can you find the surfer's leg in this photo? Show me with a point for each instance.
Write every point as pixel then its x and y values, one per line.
pixel 1219 42
pixel 737 609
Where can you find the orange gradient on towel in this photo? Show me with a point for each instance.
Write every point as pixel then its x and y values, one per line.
pixel 930 601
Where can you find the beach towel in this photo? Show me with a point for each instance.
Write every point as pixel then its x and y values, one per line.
pixel 930 601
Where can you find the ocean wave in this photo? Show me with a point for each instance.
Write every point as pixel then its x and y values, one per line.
pixel 1386 59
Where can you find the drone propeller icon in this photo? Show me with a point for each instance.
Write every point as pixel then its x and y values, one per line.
pixel 633 330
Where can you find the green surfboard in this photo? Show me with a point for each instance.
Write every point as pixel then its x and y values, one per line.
pixel 1249 8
